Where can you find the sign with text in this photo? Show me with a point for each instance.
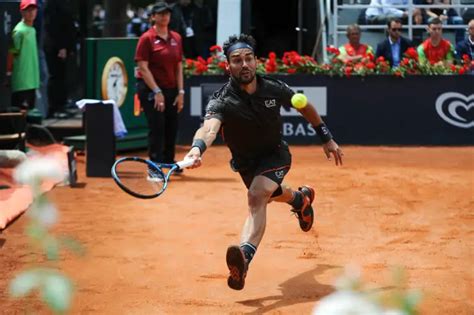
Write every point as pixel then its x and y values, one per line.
pixel 375 110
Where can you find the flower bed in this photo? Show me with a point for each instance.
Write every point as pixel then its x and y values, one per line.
pixel 293 63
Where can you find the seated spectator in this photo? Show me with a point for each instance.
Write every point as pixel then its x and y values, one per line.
pixel 393 48
pixel 447 16
pixel 466 47
pixel 354 50
pixel 436 49
pixel 381 11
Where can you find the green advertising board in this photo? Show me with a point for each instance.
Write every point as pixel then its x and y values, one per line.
pixel 111 75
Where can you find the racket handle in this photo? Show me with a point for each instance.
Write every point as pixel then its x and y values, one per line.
pixel 185 163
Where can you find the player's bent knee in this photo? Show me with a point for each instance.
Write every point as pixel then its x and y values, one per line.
pixel 258 197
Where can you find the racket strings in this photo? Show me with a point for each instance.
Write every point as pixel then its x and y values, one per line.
pixel 140 178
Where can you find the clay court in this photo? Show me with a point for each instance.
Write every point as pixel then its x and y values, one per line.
pixel 387 206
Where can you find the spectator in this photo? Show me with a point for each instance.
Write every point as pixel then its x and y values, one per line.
pixel 466 47
pixel 23 63
pixel 160 83
pixel 137 25
pixel 447 16
pixel 98 16
pixel 436 49
pixel 59 41
pixel 354 50
pixel 381 11
pixel 393 48
pixel 191 22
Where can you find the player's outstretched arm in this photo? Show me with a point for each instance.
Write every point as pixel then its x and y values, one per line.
pixel 203 139
pixel 330 146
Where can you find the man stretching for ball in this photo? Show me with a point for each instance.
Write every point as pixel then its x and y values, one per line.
pixel 247 112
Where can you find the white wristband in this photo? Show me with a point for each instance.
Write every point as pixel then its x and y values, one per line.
pixel 156 90
pixel 181 91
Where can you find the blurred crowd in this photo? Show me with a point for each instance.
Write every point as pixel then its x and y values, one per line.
pixel 194 20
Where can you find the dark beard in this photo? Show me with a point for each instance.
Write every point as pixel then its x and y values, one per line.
pixel 242 81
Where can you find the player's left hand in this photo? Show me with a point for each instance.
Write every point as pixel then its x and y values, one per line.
pixel 331 147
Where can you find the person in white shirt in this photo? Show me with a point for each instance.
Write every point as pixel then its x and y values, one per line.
pixel 381 11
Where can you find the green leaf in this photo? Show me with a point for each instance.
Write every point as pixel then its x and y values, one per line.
pixel 73 245
pixel 57 291
pixel 23 283
pixel 35 231
pixel 51 248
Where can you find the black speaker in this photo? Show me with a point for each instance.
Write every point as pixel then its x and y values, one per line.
pixel 100 139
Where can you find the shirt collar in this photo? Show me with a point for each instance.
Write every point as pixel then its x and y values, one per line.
pixel 470 41
pixel 391 42
pixel 155 34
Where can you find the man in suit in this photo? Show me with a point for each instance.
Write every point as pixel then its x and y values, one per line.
pixel 393 48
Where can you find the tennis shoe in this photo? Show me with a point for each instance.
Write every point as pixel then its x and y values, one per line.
pixel 154 176
pixel 305 214
pixel 237 267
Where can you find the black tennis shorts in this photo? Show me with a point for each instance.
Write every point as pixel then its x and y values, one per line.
pixel 274 166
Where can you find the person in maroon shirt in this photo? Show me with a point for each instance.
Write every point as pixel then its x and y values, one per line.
pixel 159 57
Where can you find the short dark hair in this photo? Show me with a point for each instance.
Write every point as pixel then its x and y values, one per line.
pixel 396 20
pixel 242 38
pixel 435 21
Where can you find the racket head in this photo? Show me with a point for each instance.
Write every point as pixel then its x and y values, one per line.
pixel 139 177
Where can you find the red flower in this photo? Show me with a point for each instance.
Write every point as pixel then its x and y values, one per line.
pixel 222 65
pixel 412 53
pixel 291 70
pixel 398 73
pixel 270 66
pixel 333 50
pixel 272 55
pixel 348 71
pixel 380 59
pixel 215 48
pixel 370 65
pixel 210 59
pixel 461 70
pixel 465 58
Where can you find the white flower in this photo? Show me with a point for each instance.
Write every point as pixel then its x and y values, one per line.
pixel 394 312
pixel 35 170
pixel 45 212
pixel 346 303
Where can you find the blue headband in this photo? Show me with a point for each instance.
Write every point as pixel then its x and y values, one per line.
pixel 238 45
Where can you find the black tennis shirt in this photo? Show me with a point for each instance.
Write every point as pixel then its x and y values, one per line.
pixel 251 124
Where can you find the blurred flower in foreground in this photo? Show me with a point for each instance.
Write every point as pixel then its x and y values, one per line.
pixel 346 303
pixel 347 300
pixel 54 287
pixel 31 172
pixel 350 298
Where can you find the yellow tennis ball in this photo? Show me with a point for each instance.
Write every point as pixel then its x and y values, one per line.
pixel 299 101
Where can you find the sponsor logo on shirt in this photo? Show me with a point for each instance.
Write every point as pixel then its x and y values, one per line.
pixel 157 42
pixel 270 103
pixel 173 42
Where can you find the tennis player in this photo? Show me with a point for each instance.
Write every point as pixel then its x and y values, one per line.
pixel 247 112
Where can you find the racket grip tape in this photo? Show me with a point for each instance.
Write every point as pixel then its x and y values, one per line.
pixel 185 163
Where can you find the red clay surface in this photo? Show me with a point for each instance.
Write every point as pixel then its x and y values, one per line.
pixel 387 206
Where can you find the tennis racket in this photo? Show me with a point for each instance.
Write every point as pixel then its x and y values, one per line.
pixel 142 178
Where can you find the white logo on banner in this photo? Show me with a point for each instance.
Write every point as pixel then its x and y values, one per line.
pixel 448 106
